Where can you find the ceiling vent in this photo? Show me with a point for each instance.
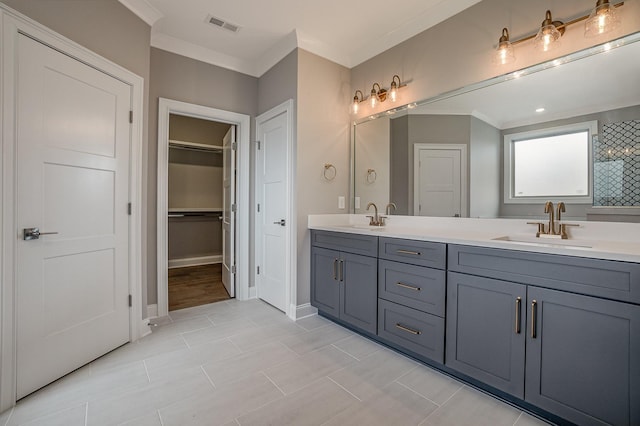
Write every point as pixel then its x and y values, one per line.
pixel 221 23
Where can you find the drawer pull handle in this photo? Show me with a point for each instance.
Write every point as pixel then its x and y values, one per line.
pixel 408 330
pixel 534 316
pixel 518 303
pixel 410 287
pixel 341 270
pixel 335 269
pixel 413 253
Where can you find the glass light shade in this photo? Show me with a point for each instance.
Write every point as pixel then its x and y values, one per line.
pixel 548 38
pixel 603 19
pixel 504 53
pixel 354 105
pixel 374 98
pixel 393 92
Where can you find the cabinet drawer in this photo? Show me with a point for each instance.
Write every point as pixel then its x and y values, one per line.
pixel 352 243
pixel 414 330
pixel 596 277
pixel 421 253
pixel 414 286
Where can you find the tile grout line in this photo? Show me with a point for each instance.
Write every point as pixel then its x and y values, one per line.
pixel 274 383
pixel 185 341
pixel 345 352
pixel 343 388
pixel 160 417
pixel 417 393
pixel 207 376
pixel 86 413
pixel 10 415
pixel 521 413
pixel 146 370
pixel 443 404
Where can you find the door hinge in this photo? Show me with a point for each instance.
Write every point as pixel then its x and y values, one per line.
pixel 233 269
pixel 258 142
pixel 130 116
pixel 129 209
pixel 258 207
pixel 258 270
pixel 234 207
pixel 234 146
pixel 130 300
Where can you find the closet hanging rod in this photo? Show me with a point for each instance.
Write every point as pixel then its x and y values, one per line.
pixel 192 146
pixel 195 214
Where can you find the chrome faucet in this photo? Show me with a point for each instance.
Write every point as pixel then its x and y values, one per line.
pixel 548 208
pixel 374 220
pixel 388 210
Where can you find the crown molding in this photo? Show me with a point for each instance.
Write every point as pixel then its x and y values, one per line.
pixel 144 10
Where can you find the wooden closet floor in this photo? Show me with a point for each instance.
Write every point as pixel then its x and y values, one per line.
pixel 196 285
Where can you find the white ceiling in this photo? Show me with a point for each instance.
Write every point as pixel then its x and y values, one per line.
pixel 345 31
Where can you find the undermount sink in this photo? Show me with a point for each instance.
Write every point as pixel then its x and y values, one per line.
pixel 542 241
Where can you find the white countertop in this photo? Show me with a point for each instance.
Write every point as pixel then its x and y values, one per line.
pixel 601 240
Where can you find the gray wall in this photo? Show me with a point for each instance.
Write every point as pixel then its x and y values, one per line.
pixel 323 136
pixel 485 154
pixel 399 152
pixel 180 78
pixel 279 84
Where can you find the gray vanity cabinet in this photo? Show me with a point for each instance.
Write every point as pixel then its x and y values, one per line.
pixel 486 330
pixel 344 283
pixel 583 358
pixel 578 355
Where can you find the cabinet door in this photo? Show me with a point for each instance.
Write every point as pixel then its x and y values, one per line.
pixel 583 358
pixel 486 330
pixel 359 291
pixel 325 286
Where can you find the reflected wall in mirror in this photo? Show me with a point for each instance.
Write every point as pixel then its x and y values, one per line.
pixel 602 86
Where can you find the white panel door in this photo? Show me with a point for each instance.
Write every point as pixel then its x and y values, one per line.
pixel 439 190
pixel 228 215
pixel 72 179
pixel 271 195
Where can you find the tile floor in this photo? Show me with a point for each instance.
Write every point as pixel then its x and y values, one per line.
pixel 244 363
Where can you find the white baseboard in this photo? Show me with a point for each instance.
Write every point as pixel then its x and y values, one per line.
pixel 144 328
pixel 152 311
pixel 303 311
pixel 194 261
pixel 253 293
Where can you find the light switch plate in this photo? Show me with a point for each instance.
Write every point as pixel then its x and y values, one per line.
pixel 341 202
pixel 357 202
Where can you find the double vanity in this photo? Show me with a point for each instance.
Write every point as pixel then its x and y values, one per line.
pixel 552 325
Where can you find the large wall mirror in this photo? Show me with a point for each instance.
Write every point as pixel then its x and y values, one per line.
pixel 449 155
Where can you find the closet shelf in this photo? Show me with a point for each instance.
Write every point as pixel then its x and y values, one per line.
pixel 196 210
pixel 192 146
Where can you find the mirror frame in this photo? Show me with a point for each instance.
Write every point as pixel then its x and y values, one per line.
pixel 572 57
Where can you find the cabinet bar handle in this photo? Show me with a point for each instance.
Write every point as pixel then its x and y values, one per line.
pixel 407 329
pixel 534 315
pixel 410 287
pixel 414 253
pixel 518 303
pixel 341 270
pixel 335 269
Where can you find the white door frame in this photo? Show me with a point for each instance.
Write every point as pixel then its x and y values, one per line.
pixel 290 230
pixel 464 185
pixel 11 24
pixel 242 123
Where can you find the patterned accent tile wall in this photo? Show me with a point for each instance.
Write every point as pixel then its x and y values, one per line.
pixel 616 170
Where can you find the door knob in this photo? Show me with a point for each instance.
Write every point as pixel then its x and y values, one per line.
pixel 34 233
pixel 280 222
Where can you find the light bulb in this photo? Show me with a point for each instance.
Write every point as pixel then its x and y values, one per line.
pixel 393 93
pixel 603 19
pixel 549 36
pixel 373 98
pixel 504 52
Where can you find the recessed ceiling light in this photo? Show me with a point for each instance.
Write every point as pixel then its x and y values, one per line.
pixel 539 109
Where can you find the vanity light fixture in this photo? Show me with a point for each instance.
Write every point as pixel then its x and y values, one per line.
pixel 379 95
pixel 504 51
pixel 393 92
pixel 356 101
pixel 548 36
pixel 603 19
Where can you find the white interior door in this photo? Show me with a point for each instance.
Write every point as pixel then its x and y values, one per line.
pixel 272 219
pixel 228 215
pixel 438 183
pixel 72 179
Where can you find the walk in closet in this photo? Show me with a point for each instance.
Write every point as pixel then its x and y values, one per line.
pixel 195 214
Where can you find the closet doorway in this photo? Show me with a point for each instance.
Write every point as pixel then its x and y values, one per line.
pixel 197 207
